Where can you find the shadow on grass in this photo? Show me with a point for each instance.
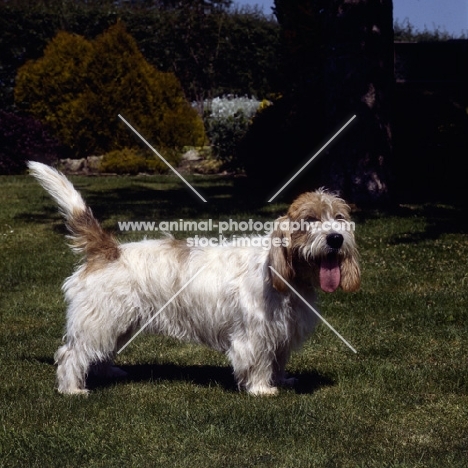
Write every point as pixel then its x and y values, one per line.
pixel 144 199
pixel 205 376
pixel 440 220
pixel 155 199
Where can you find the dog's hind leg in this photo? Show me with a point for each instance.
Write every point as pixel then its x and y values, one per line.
pixel 106 368
pixel 75 361
pixel 72 368
pixel 90 347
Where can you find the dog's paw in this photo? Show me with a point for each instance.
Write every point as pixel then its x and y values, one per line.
pixel 74 391
pixel 289 382
pixel 263 390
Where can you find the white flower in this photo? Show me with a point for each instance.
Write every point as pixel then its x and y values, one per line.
pixel 223 107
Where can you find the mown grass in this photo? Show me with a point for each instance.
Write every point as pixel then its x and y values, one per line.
pixel 402 401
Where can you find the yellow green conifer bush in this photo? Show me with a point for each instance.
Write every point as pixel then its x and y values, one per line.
pixel 79 87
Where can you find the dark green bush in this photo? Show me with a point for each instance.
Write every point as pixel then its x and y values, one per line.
pixel 23 139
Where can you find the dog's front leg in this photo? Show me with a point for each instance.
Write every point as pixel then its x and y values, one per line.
pixel 253 366
pixel 280 376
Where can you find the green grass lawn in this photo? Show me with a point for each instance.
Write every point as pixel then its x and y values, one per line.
pixel 402 401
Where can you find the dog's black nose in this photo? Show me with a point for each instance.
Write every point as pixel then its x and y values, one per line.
pixel 334 240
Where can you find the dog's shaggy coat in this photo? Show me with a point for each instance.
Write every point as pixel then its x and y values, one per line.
pixel 236 305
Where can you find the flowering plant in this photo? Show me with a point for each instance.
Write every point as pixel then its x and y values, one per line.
pixel 227 119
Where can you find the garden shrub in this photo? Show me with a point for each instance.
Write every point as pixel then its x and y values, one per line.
pixel 155 165
pixel 50 88
pixel 133 161
pixel 24 138
pixel 124 161
pixel 226 120
pixel 79 87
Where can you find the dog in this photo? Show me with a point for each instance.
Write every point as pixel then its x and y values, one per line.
pixel 237 300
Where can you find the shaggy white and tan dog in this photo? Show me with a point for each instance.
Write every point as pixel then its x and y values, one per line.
pixel 236 304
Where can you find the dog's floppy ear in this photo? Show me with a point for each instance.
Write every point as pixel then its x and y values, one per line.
pixel 350 274
pixel 280 257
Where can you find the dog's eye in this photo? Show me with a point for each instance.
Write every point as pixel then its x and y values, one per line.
pixel 311 219
pixel 340 216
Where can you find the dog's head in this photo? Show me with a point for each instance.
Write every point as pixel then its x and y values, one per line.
pixel 316 244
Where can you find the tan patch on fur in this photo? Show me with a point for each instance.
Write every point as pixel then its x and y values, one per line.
pixel 181 250
pixel 87 236
pixel 314 204
pixel 280 258
pixel 350 275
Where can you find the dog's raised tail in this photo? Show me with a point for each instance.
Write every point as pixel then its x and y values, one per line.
pixel 86 234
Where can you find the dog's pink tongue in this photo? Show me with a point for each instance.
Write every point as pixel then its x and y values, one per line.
pixel 329 273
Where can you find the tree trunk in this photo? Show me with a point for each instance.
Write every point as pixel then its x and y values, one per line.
pixel 339 63
pixel 358 80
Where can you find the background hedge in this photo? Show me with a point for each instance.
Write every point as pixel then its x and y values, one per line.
pixel 24 138
pixel 212 50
